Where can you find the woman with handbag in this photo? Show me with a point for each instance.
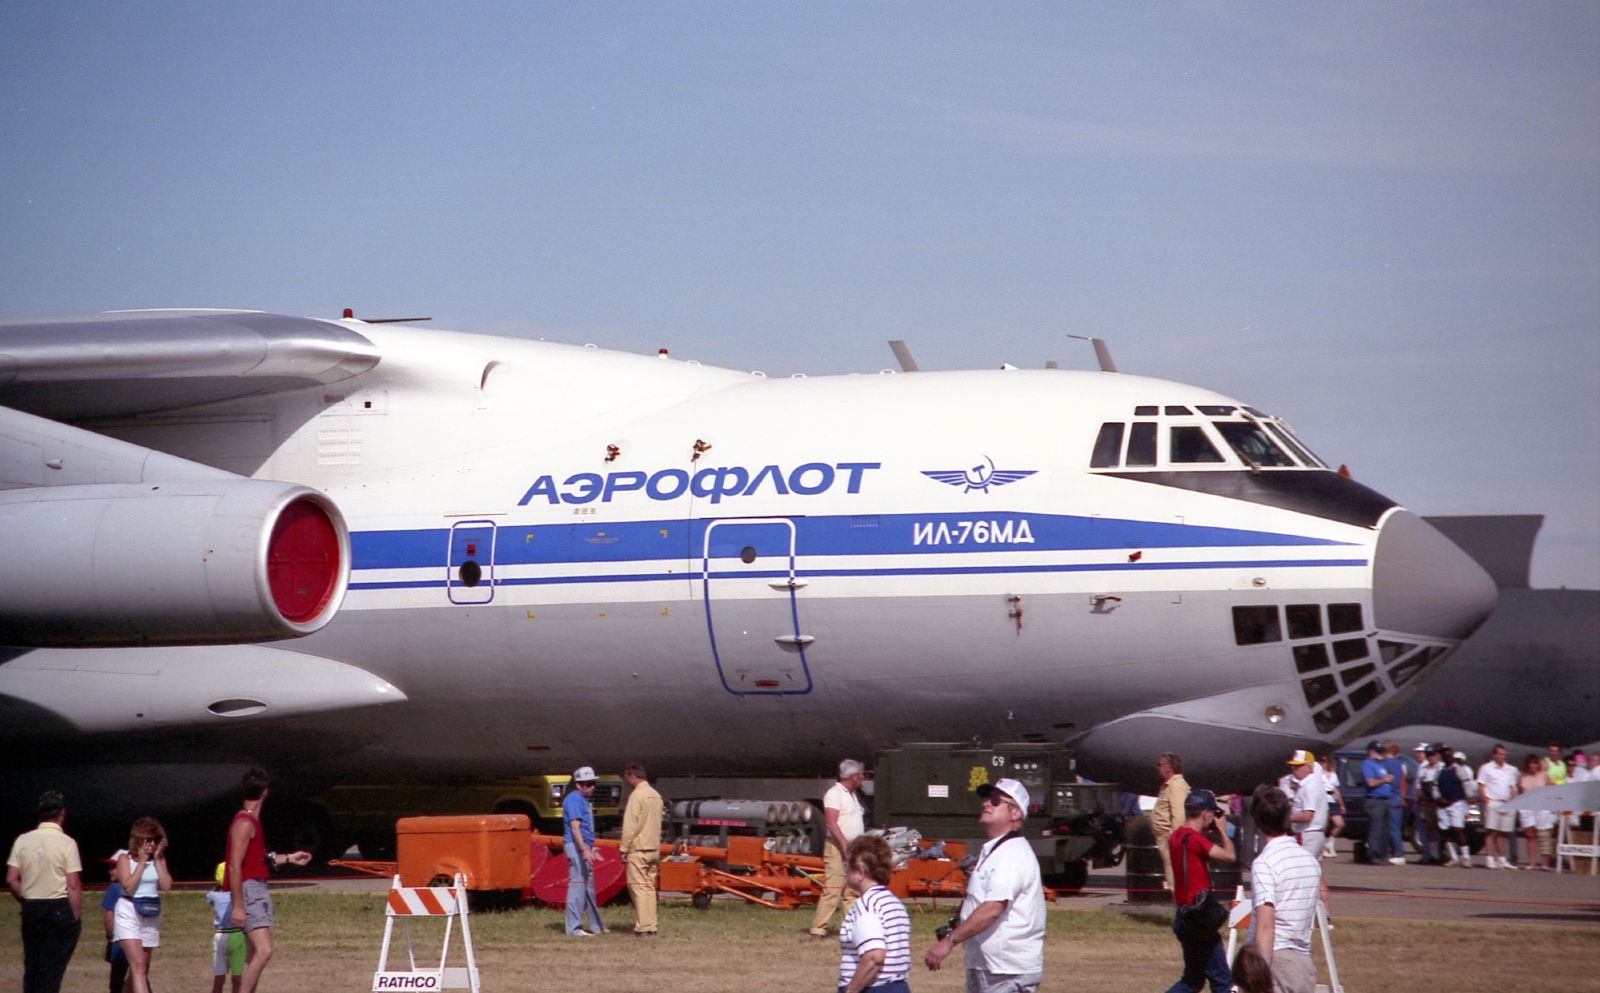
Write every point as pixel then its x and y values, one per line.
pixel 1199 913
pixel 142 873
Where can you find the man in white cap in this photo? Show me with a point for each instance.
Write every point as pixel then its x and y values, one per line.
pixel 577 841
pixel 1309 802
pixel 1002 916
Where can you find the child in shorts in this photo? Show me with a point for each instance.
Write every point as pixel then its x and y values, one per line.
pixel 114 953
pixel 227 945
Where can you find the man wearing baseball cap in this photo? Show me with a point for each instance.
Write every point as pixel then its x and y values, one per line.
pixel 1194 847
pixel 1381 785
pixel 1309 802
pixel 577 841
pixel 1002 916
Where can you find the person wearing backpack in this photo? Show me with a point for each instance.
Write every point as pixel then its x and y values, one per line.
pixel 1198 912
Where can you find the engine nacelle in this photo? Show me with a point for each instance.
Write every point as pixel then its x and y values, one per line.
pixel 204 562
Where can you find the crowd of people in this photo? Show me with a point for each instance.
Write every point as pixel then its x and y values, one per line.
pixel 45 873
pixel 1436 790
pixel 1001 923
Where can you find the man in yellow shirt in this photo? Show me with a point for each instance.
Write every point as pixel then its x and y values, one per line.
pixel 45 874
pixel 641 847
pixel 1168 814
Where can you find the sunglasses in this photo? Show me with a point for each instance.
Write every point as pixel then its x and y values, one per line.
pixel 994 800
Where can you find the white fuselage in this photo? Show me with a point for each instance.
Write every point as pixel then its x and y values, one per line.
pixel 566 555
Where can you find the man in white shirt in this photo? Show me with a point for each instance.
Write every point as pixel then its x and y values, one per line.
pixel 1002 915
pixel 1309 807
pixel 1285 884
pixel 1497 784
pixel 843 821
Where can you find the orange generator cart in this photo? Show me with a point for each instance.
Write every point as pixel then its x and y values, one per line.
pixel 491 851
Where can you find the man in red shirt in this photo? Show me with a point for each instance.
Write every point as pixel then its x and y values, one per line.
pixel 1193 849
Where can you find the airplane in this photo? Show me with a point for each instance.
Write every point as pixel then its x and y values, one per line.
pixel 347 549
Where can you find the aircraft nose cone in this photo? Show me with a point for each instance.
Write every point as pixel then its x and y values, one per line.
pixel 1424 584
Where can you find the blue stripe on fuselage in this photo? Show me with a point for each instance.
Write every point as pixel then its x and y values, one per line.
pixel 871 534
pixel 696 575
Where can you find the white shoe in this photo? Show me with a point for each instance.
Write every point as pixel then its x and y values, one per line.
pixel 1398 860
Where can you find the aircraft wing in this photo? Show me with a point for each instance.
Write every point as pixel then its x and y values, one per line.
pixel 92 690
pixel 134 362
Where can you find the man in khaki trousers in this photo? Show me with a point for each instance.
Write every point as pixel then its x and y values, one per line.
pixel 843 820
pixel 641 847
pixel 1168 814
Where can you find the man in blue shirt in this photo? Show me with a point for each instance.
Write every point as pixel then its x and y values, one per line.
pixel 577 841
pixel 1380 784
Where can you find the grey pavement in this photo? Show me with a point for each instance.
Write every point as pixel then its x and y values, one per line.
pixel 1415 892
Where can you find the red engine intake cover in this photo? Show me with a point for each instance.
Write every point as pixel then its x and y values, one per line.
pixel 303 566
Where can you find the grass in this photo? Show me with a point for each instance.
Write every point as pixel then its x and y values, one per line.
pixel 330 941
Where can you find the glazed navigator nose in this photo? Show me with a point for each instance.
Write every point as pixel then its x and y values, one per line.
pixel 1424 584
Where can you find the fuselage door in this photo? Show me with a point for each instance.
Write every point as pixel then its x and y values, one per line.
pixel 752 607
pixel 469 573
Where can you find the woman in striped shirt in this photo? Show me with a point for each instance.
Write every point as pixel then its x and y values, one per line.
pixel 875 938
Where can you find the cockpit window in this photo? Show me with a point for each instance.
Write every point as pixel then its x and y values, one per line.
pixel 1213 411
pixel 1142 444
pixel 1190 444
pixel 1253 445
pixel 1108 446
pixel 1179 412
pixel 1146 410
pixel 1283 434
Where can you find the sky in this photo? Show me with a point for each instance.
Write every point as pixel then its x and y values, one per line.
pixel 1380 221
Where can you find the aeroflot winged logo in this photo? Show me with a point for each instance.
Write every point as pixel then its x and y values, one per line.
pixel 979 477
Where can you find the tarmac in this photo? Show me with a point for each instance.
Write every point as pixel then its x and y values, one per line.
pixel 1410 892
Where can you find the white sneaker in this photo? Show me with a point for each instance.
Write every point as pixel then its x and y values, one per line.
pixel 1398 860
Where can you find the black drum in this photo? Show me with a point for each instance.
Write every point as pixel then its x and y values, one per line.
pixel 1145 876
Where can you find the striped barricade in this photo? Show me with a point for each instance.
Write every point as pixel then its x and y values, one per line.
pixel 406 902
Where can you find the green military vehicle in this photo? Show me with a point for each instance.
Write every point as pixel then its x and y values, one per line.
pixel 1071 825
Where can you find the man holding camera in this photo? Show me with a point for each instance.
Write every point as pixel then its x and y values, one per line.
pixel 1201 841
pixel 1002 916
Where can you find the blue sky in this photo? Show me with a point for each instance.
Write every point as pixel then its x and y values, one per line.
pixel 1380 220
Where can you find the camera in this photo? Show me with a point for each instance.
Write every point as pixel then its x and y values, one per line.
pixel 943 931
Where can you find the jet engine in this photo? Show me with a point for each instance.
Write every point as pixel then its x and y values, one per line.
pixel 191 562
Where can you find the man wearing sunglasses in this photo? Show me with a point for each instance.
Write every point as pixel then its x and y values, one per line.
pixel 1002 916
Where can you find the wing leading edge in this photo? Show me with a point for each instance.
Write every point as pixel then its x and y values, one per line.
pixel 135 362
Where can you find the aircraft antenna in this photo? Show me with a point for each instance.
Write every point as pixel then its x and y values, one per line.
pixel 1102 354
pixel 350 315
pixel 902 354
